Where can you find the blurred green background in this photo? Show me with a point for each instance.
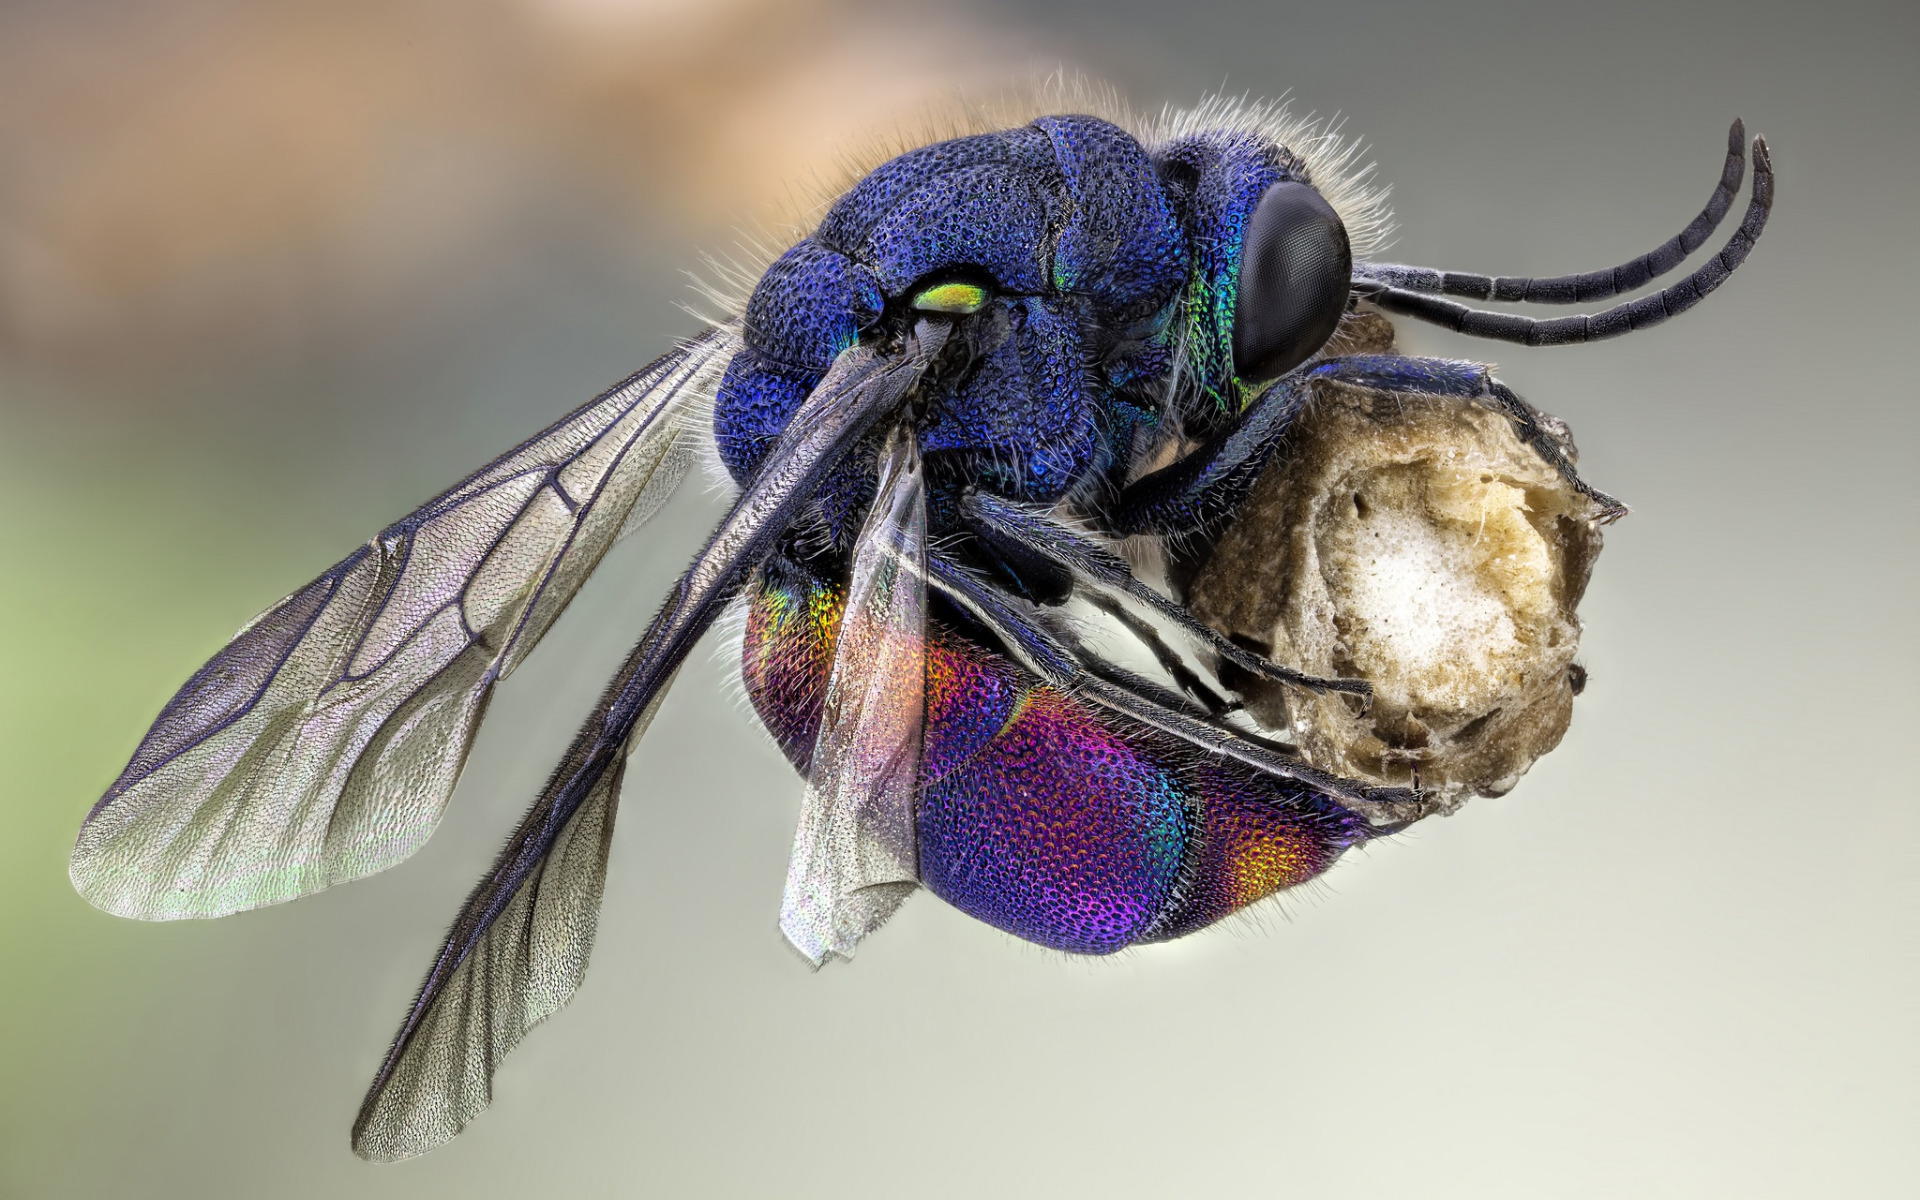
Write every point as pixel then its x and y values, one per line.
pixel 271 274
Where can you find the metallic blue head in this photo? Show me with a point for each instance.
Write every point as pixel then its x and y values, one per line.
pixel 1089 266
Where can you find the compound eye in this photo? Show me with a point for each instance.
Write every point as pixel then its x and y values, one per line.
pixel 957 297
pixel 1295 272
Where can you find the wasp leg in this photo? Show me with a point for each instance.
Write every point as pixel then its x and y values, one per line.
pixel 1202 491
pixel 1168 658
pixel 1056 657
pixel 1002 523
pixel 1550 446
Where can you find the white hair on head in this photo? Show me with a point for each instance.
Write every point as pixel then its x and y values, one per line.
pixel 1332 159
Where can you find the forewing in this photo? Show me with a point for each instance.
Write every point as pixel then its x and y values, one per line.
pixel 321 744
pixel 854 858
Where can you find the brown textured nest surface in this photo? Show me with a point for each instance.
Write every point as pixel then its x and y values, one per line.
pixel 1414 542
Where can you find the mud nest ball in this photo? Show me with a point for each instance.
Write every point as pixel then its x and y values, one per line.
pixel 1417 543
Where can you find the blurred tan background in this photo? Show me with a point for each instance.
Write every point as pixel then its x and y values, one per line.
pixel 270 274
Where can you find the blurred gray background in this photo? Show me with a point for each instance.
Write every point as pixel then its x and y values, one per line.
pixel 271 274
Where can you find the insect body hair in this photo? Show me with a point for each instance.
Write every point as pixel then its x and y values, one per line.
pixel 1332 159
pixel 1334 164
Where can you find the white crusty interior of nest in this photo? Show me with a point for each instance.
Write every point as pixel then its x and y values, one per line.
pixel 1416 543
pixel 1443 584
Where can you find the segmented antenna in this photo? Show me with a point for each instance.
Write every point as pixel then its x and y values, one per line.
pixel 1410 291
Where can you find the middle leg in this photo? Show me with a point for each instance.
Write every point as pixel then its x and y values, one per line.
pixel 1004 523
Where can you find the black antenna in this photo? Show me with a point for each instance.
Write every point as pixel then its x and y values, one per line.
pixel 1371 283
pixel 1592 285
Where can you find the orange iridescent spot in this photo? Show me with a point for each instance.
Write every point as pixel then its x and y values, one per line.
pixel 1259 866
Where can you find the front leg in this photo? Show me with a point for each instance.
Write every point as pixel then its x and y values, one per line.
pixel 1202 491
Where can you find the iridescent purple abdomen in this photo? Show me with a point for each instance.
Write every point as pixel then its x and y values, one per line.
pixel 1050 819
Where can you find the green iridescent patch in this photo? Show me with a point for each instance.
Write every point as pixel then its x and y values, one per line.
pixel 951 298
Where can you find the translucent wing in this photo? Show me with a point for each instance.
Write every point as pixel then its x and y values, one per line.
pixel 322 743
pixel 517 951
pixel 853 853
pixel 515 957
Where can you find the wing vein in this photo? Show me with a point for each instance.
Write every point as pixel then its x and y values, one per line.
pixel 332 578
pixel 547 875
pixel 323 742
